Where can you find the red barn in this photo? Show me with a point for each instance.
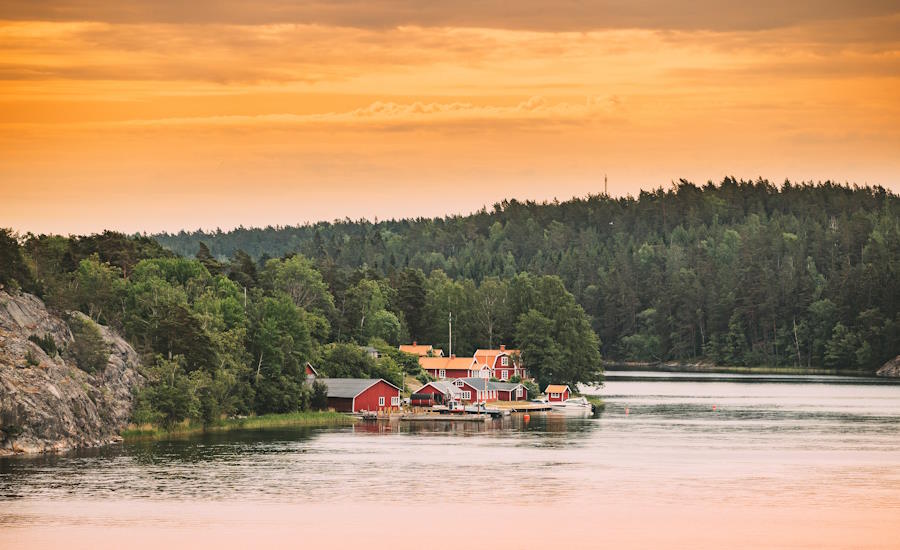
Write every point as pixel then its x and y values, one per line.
pixel 361 394
pixel 557 392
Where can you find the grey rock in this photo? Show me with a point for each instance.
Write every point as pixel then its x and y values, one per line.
pixel 891 369
pixel 55 406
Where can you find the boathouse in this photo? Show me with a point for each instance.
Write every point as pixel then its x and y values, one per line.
pixel 509 391
pixel 446 390
pixel 557 392
pixel 354 395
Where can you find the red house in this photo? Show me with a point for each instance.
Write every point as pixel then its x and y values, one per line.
pixel 311 371
pixel 421 350
pixel 557 392
pixel 451 367
pixel 361 394
pixel 503 363
pixel 476 390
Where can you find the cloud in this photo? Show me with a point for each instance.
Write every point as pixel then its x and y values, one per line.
pixel 541 15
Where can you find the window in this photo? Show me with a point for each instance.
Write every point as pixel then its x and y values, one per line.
pixel 381 401
pixel 504 361
pixel 442 373
pixel 458 383
pixel 519 391
pixel 395 401
pixel 486 373
pixel 554 396
pixel 466 395
pixel 504 375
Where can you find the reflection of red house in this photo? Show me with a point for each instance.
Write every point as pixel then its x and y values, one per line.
pixel 557 392
pixel 361 394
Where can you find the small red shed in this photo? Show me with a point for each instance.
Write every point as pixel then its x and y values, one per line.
pixel 361 394
pixel 557 392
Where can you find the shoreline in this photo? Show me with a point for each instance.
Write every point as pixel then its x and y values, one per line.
pixel 630 366
pixel 269 421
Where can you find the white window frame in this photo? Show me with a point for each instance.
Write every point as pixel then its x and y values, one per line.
pixel 554 396
pixel 442 373
pixel 504 361
pixel 381 401
pixel 504 375
pixel 395 401
pixel 485 373
pixel 458 383
pixel 466 395
pixel 519 391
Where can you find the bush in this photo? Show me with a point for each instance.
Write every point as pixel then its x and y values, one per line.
pixel 89 349
pixel 532 388
pixel 319 399
pixel 30 359
pixel 46 343
pixel 424 377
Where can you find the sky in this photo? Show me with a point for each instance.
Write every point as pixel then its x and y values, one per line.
pixel 158 115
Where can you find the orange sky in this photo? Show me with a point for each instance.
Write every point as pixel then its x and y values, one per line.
pixel 144 116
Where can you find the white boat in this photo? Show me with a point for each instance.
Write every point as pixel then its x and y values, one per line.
pixel 573 405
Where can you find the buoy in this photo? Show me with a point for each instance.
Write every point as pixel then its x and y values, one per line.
pixel 626 410
pixel 527 417
pixel 714 407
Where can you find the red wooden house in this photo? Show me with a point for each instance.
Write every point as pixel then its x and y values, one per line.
pixel 476 390
pixel 503 363
pixel 452 367
pixel 557 392
pixel 361 394
pixel 448 392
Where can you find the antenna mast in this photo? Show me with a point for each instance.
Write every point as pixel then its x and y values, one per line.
pixel 450 344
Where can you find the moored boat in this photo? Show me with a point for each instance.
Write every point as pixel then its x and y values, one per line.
pixel 573 405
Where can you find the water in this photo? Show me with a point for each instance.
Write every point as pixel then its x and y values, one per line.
pixel 736 461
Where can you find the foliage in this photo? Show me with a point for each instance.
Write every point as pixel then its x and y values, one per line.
pixel 89 349
pixel 46 343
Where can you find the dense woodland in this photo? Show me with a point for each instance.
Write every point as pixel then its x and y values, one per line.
pixel 739 273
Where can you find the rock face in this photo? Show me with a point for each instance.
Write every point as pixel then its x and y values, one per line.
pixel 890 369
pixel 48 404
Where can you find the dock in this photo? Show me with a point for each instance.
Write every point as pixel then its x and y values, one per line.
pixel 444 418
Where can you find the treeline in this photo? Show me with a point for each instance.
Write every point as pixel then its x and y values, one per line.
pixel 233 337
pixel 739 273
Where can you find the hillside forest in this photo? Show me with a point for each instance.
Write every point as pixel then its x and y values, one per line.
pixel 740 273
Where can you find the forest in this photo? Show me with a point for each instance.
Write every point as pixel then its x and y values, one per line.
pixel 739 273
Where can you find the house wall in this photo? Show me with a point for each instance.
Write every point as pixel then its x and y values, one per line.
pixel 563 397
pixel 368 400
pixel 340 404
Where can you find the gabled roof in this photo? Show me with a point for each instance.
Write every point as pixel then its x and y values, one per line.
pixel 489 356
pixel 446 363
pixel 557 388
pixel 442 386
pixel 421 350
pixel 480 384
pixel 351 387
pixel 312 368
pixel 503 386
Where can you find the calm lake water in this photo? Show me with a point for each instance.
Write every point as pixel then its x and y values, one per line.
pixel 673 461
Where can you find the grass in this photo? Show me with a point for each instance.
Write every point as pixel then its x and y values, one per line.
pixel 598 403
pixel 266 421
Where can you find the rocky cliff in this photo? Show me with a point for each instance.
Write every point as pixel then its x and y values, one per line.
pixel 47 403
pixel 891 368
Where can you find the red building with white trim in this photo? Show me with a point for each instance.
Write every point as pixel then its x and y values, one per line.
pixel 361 394
pixel 557 392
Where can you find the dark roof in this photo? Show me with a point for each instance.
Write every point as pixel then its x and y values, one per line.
pixel 444 387
pixel 350 387
pixel 480 384
pixel 504 386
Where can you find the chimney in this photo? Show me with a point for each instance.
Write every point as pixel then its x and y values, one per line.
pixel 502 347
